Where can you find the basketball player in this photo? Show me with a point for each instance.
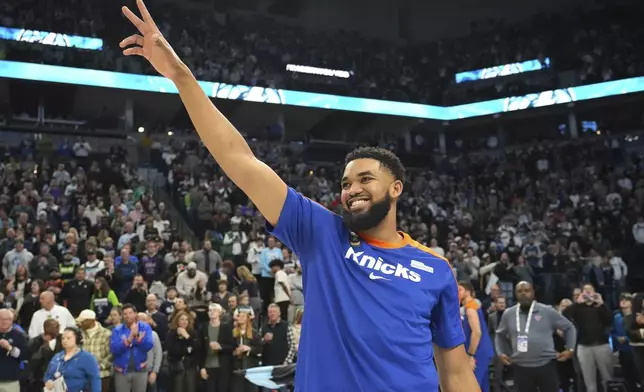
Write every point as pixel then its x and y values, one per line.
pixel 380 307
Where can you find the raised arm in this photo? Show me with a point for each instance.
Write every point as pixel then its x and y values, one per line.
pixel 262 185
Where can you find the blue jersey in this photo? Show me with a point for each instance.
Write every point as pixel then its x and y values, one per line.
pixel 373 309
pixel 485 350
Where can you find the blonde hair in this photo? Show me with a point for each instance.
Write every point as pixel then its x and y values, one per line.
pixel 244 274
pixel 249 327
pixel 74 232
pixel 215 306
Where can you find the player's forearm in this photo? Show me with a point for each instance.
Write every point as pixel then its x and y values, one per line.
pixel 262 185
pixel 221 138
pixel 475 339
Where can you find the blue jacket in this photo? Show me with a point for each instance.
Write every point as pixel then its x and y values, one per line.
pixel 79 371
pixel 139 347
pixel 618 330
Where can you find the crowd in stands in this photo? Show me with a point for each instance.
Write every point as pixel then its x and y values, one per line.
pixel 599 44
pixel 86 246
pixel 558 216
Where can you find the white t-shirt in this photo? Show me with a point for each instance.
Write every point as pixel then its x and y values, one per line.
pixel 60 313
pixel 280 293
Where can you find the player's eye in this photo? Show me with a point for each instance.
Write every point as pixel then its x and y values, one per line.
pixel 345 185
pixel 365 180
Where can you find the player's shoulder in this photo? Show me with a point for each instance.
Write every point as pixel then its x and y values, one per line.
pixel 315 208
pixel 473 304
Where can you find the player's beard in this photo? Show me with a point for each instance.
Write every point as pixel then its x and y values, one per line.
pixel 366 220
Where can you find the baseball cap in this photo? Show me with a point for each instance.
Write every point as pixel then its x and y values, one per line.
pixel 192 265
pixel 86 315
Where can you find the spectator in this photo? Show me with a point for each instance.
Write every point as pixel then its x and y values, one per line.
pixel 77 374
pixel 493 321
pixel 155 357
pixel 31 302
pixel 248 285
pixel 13 349
pixel 207 259
pixel 152 265
pixel 283 296
pixel 96 341
pixel 138 293
pixel 635 330
pixel 621 341
pixel 126 270
pixel 40 352
pixel 78 293
pixel 167 306
pixel 188 280
pixel 93 265
pixel 222 295
pixel 15 257
pixel 267 281
pixel 593 321
pixel 185 353
pixel 220 346
pixel 524 341
pixel 129 344
pixel 246 352
pixel 103 300
pixel 277 338
pixel 49 309
pixel 157 320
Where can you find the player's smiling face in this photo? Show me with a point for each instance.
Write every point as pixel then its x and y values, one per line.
pixel 366 194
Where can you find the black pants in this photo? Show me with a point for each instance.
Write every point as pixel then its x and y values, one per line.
pixel 638 360
pixel 266 291
pixel 284 309
pixel 536 379
pixel 240 384
pixel 186 381
pixel 629 371
pixel 217 381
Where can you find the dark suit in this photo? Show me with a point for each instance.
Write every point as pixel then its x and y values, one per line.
pixel 493 321
pixel 161 321
pixel 39 355
pixel 219 378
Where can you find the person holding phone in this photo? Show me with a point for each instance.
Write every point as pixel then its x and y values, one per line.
pixel 593 321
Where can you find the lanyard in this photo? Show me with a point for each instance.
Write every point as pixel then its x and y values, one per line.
pixel 527 324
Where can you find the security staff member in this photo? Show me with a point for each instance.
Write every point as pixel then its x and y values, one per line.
pixel 524 341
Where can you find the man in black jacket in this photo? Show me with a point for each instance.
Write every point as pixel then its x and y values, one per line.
pixel 78 293
pixel 41 350
pixel 157 320
pixel 13 350
pixel 593 321
pixel 278 339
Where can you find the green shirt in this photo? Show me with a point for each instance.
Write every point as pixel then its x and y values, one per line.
pixel 212 359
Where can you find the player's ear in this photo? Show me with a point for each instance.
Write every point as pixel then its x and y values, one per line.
pixel 395 189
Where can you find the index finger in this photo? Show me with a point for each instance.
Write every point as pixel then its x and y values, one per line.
pixel 147 18
pixel 136 21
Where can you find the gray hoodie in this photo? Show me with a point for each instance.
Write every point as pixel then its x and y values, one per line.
pixel 155 356
pixel 541 346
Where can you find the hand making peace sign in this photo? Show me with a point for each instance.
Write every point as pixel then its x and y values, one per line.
pixel 151 44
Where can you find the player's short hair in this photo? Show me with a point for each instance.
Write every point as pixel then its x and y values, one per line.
pixel 467 286
pixel 386 158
